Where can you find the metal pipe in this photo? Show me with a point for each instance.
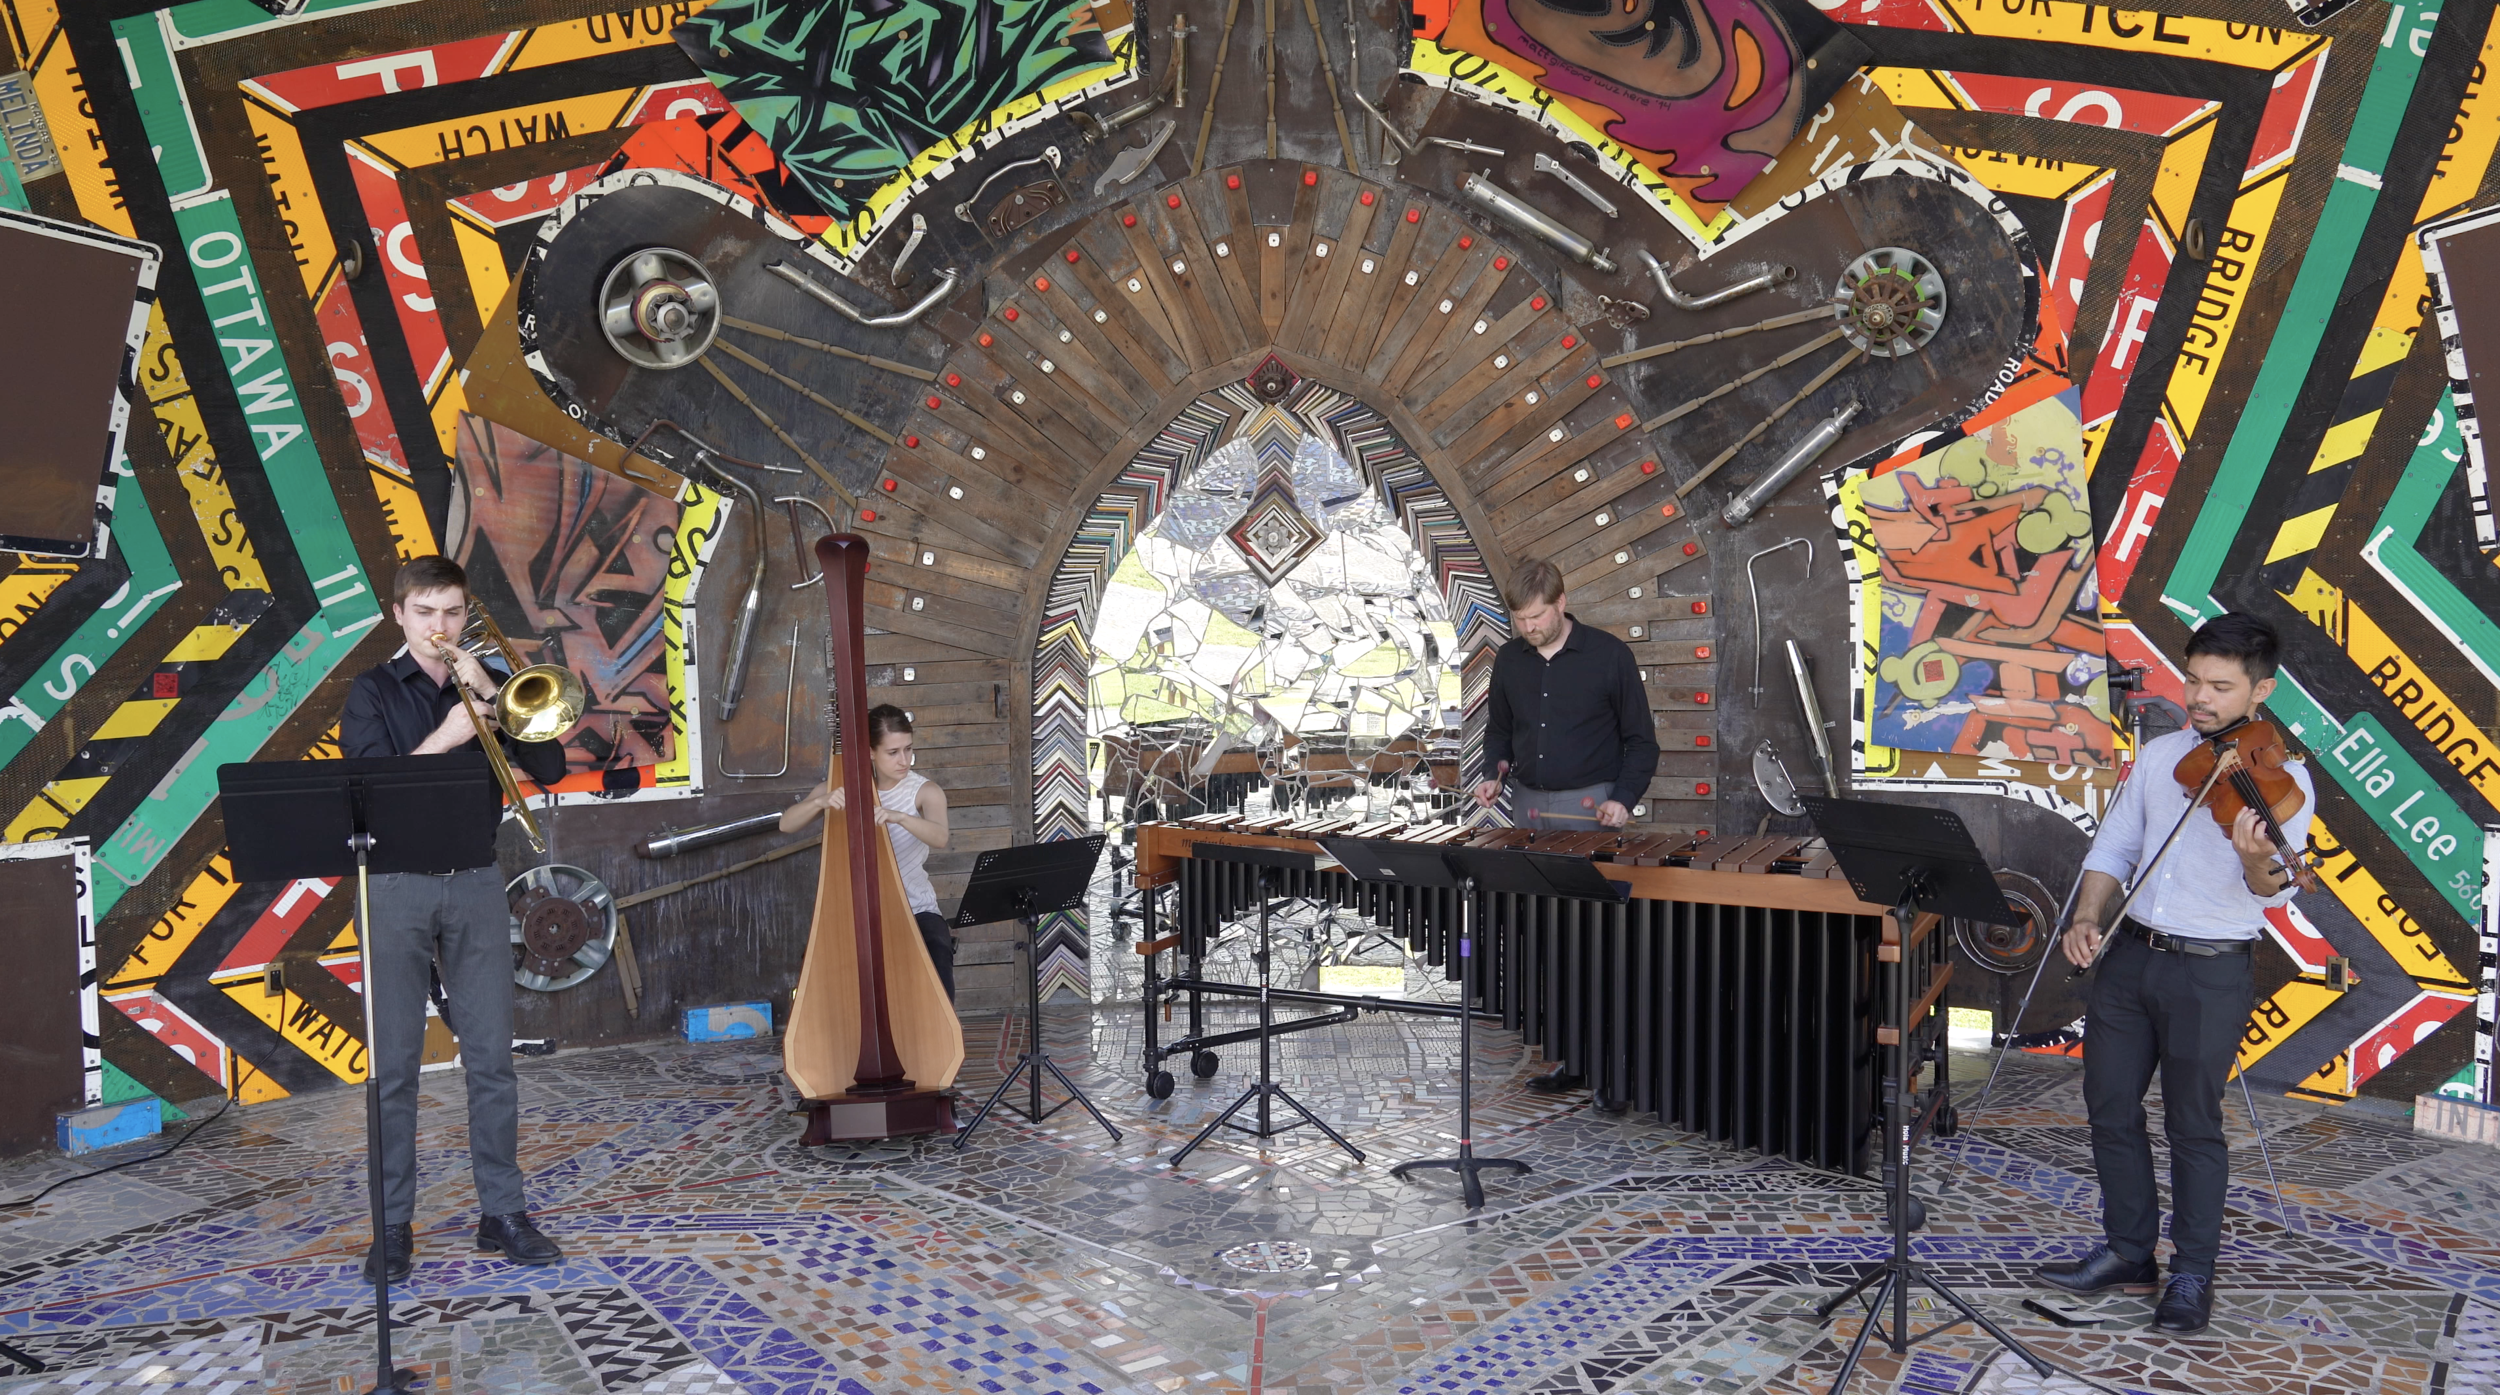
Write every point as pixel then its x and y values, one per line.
pixel 1507 207
pixel 1804 453
pixel 1803 672
pixel 686 840
pixel 789 691
pixel 1407 147
pixel 1764 279
pixel 1752 588
pixel 790 505
pixel 1547 164
pixel 742 637
pixel 947 281
pixel 911 244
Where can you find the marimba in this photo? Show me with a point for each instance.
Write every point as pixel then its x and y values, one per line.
pixel 1734 994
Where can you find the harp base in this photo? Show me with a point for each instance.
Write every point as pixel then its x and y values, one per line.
pixel 891 1116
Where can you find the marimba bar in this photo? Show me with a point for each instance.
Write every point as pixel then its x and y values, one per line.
pixel 1734 994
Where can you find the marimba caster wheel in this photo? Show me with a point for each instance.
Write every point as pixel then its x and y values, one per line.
pixel 1948 1121
pixel 1204 1064
pixel 1159 1085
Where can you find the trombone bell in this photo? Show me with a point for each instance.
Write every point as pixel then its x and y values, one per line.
pixel 540 703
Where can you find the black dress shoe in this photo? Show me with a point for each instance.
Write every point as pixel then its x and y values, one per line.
pixel 1604 1105
pixel 2187 1304
pixel 521 1242
pixel 1561 1082
pixel 391 1254
pixel 2101 1271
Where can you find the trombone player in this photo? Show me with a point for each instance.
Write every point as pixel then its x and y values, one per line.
pixel 458 922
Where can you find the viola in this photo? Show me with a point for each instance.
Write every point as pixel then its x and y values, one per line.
pixel 2252 756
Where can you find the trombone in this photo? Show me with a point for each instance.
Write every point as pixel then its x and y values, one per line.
pixel 539 702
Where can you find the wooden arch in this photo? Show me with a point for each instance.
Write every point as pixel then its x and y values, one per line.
pixel 1099 335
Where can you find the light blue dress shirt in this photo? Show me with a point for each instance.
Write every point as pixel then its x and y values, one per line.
pixel 2198 889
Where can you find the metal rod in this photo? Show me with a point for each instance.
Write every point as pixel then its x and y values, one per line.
pixel 1509 208
pixel 1804 453
pixel 1764 279
pixel 1345 135
pixel 1206 121
pixel 742 636
pixel 1269 8
pixel 1714 336
pixel 2282 1212
pixel 789 689
pixel 1405 146
pixel 1751 588
pixel 1803 672
pixel 803 390
pixel 1049 156
pixel 790 506
pixel 911 244
pixel 1688 408
pixel 1547 164
pixel 757 411
pixel 908 370
pixel 686 840
pixel 1768 422
pixel 947 281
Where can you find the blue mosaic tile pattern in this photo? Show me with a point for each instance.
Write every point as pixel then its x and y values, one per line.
pixel 710 1255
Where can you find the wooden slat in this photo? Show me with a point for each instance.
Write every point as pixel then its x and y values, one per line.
pixel 1660 551
pixel 1136 325
pixel 1471 396
pixel 1161 288
pixel 1217 221
pixel 1112 340
pixel 1353 321
pixel 1050 397
pixel 902 536
pixel 1566 492
pixel 1037 328
pixel 1431 247
pixel 1472 282
pixel 1212 275
pixel 995 486
pixel 1303 269
pixel 1442 275
pixel 980 386
pixel 909 639
pixel 921 489
pixel 1192 292
pixel 1454 354
pixel 1312 334
pixel 1502 468
pixel 1246 244
pixel 970 671
pixel 953 613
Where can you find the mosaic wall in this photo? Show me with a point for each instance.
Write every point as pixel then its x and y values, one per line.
pixel 2230 264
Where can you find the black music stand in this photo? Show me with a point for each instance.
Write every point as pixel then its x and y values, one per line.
pixel 1025 884
pixel 291 819
pixel 1912 859
pixel 1269 861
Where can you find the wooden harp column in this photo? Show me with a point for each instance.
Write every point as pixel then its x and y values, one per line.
pixel 873 1042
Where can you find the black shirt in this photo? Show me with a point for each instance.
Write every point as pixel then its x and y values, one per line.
pixel 1577 719
pixel 393 706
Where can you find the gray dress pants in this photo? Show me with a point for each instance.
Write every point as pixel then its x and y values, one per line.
pixel 460 922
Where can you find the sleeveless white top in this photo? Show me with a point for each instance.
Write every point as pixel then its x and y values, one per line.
pixel 911 856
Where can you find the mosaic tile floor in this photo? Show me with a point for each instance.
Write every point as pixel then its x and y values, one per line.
pixel 710 1253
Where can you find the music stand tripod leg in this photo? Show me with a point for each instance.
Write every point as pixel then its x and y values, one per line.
pixel 387 1376
pixel 1266 1087
pixel 1033 1058
pixel 1466 1164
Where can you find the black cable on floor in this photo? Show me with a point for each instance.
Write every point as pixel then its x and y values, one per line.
pixel 167 1150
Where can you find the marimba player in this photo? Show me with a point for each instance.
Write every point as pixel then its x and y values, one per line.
pixel 1568 725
